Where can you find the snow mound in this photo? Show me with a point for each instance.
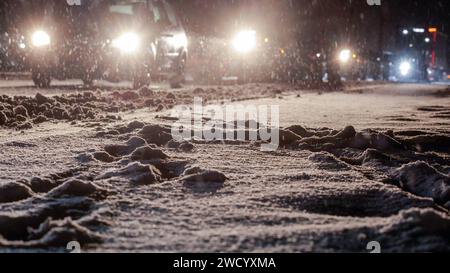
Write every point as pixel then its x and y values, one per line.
pixel 349 138
pixel 369 157
pixel 184 146
pixel 423 143
pixel 204 181
pixel 127 148
pixel 148 153
pixel 103 157
pixel 17 218
pixel 421 179
pixel 327 161
pixel 75 187
pixel 137 173
pixel 205 176
pixel 53 233
pixel 422 230
pixel 135 125
pixel 12 192
pixel 45 184
pixel 156 134
pixel 370 201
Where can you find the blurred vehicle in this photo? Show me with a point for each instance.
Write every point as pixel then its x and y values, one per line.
pixel 421 55
pixel 224 60
pixel 113 40
pixel 12 48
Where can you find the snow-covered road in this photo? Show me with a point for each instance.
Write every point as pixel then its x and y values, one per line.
pixel 379 171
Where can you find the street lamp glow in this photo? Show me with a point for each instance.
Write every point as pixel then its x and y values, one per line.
pixel 345 55
pixel 405 32
pixel 244 41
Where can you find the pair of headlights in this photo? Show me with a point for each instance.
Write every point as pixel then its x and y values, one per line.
pixel 128 42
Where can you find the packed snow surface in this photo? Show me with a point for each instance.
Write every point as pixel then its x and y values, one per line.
pixel 369 163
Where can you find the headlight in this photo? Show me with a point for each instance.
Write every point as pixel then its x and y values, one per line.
pixel 405 67
pixel 178 41
pixel 345 55
pixel 127 43
pixel 244 41
pixel 40 38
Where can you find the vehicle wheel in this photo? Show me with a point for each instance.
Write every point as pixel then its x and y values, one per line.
pixel 41 80
pixel 87 80
pixel 179 77
pixel 176 81
pixel 141 80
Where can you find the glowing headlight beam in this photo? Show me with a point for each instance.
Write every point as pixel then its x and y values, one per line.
pixel 405 67
pixel 127 43
pixel 244 41
pixel 345 55
pixel 40 38
pixel 178 41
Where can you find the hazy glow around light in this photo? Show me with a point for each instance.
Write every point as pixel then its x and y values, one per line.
pixel 127 42
pixel 345 55
pixel 244 41
pixel 40 38
pixel 179 40
pixel 405 67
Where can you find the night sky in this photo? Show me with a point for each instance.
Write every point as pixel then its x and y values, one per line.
pixel 403 12
pixel 213 16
